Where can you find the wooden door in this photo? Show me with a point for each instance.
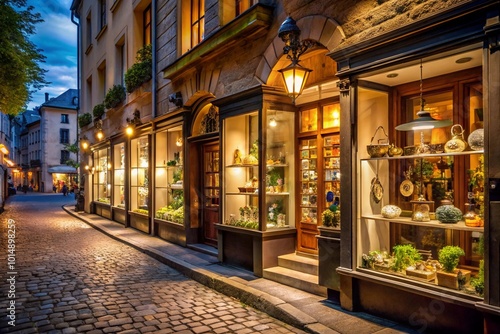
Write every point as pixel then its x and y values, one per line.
pixel 210 191
pixel 307 228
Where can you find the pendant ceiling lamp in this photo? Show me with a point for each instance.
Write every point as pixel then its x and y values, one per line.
pixel 424 120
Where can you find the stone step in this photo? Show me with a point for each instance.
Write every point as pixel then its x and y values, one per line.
pixel 296 279
pixel 299 263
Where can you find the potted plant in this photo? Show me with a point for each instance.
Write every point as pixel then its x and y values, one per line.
pixel 84 119
pixel 98 111
pixel 450 276
pixel 404 256
pixel 114 96
pixel 331 217
pixel 141 71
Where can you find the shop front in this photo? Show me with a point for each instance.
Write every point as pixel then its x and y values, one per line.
pixel 419 241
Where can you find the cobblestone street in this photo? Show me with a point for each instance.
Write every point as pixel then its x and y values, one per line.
pixel 70 278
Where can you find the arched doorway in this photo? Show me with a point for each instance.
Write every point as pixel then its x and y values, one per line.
pixel 204 144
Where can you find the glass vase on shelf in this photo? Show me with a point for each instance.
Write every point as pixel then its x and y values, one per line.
pixel 471 218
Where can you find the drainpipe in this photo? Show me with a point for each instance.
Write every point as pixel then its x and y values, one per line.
pixel 80 185
pixel 153 47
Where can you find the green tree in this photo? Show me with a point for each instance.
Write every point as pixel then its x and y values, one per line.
pixel 19 58
pixel 72 148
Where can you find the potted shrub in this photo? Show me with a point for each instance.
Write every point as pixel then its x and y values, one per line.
pixel 450 276
pixel 84 119
pixel 331 217
pixel 114 96
pixel 141 71
pixel 404 256
pixel 98 111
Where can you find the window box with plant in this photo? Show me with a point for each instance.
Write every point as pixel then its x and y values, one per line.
pixel 84 119
pixel 114 96
pixel 141 71
pixel 98 111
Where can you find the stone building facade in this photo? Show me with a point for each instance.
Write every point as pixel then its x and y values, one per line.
pixel 202 165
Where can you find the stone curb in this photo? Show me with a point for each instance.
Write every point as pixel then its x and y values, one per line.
pixel 262 301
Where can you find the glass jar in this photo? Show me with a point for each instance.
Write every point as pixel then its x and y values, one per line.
pixel 471 218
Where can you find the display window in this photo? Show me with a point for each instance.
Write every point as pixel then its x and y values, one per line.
pixel 259 171
pixel 421 188
pixel 102 176
pixel 169 175
pixel 119 156
pixel 139 175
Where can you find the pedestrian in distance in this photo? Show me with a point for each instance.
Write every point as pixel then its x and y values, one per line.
pixel 65 189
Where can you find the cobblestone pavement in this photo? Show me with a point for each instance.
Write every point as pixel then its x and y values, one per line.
pixel 71 278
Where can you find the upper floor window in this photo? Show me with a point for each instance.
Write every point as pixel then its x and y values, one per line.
pixel 88 29
pixel 192 24
pixel 242 5
pixel 64 156
pixel 64 136
pixel 64 118
pixel 102 14
pixel 197 21
pixel 147 31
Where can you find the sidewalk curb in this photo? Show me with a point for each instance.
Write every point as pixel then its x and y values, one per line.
pixel 260 300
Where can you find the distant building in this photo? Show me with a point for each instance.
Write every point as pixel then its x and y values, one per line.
pixel 58 128
pixel 39 144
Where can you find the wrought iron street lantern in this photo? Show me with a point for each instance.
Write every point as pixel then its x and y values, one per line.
pixel 294 75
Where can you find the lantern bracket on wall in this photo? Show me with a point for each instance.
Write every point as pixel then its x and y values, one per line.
pixel 294 75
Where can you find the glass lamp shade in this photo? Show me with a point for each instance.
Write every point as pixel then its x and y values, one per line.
pixel 294 77
pixel 85 144
pixel 422 122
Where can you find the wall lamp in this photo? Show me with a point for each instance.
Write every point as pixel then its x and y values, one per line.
pixel 176 99
pixel 98 128
pixel 84 143
pixel 132 123
pixel 4 149
pixel 294 75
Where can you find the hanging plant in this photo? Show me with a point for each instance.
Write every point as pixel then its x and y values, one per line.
pixel 114 96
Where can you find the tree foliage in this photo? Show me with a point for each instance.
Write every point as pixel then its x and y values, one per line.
pixel 19 58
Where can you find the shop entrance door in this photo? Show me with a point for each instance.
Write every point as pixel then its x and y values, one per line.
pixel 210 190
pixel 307 228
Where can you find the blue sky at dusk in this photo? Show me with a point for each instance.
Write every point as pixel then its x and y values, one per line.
pixel 56 36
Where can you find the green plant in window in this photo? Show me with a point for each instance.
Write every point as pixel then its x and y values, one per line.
pixel 114 96
pixel 141 71
pixel 449 257
pixel 404 256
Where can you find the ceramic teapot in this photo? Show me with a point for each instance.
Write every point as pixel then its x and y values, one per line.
pixel 457 143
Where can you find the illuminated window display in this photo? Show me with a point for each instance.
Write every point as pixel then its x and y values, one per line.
pixel 169 187
pixel 139 175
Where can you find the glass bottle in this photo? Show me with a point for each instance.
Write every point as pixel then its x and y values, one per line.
pixel 470 217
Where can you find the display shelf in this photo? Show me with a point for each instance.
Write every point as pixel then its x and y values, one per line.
pixel 433 223
pixel 257 194
pixel 421 156
pixel 242 165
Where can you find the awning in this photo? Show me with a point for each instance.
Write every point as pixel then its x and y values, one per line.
pixel 62 169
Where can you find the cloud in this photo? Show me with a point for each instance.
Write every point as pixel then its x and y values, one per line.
pixel 57 38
